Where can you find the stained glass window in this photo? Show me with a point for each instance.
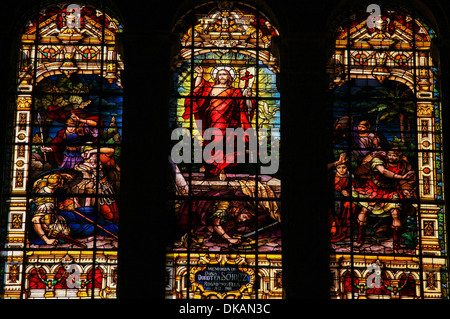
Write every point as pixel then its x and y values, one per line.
pixel 387 221
pixel 59 217
pixel 225 186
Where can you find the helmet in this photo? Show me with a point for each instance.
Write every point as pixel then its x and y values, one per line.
pixel 54 180
pixel 87 148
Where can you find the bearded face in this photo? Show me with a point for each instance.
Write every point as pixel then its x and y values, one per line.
pixel 223 77
pixel 393 158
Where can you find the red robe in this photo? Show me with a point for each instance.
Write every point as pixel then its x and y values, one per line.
pixel 340 220
pixel 381 187
pixel 226 110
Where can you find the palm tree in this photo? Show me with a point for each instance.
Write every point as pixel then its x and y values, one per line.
pixel 397 105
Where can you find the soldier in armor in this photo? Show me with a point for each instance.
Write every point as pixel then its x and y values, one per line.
pixel 225 218
pixel 390 179
pixel 99 166
pixel 46 222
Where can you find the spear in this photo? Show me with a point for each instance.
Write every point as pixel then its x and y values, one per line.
pixel 100 227
pixel 39 119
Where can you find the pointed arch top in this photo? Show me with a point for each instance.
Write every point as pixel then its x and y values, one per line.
pixel 385 48
pixel 227 25
pixel 70 38
pixel 394 30
pixel 74 19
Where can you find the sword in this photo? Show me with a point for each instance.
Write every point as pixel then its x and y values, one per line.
pixel 66 238
pixel 260 229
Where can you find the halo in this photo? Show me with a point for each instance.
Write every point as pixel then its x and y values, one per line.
pixel 217 68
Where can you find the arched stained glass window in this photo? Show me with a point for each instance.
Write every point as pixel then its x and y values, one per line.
pixel 59 217
pixel 224 121
pixel 387 221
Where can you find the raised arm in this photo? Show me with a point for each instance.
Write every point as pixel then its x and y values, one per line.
pixel 88 122
pixel 199 78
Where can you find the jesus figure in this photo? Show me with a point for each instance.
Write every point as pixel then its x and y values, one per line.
pixel 219 105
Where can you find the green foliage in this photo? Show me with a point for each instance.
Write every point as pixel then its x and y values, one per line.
pixel 60 85
pixel 408 144
pixel 410 233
